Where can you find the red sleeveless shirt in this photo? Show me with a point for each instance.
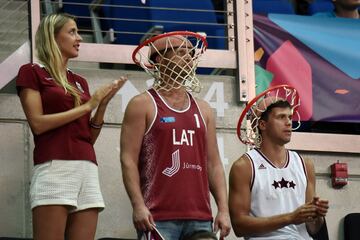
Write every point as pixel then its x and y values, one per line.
pixel 173 163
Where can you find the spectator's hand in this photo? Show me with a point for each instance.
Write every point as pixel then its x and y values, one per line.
pixel 222 223
pixel 143 219
pixel 99 95
pixel 321 205
pixel 115 87
pixel 304 213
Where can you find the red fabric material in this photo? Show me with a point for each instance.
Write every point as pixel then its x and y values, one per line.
pixel 173 164
pixel 71 141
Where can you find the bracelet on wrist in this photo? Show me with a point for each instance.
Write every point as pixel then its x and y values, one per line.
pixel 96 126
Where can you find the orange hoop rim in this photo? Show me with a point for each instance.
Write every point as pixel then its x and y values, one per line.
pixel 184 33
pixel 254 100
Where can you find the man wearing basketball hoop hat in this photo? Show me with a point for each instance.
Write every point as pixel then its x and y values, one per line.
pixel 272 189
pixel 169 154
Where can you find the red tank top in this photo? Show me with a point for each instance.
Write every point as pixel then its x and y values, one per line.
pixel 173 163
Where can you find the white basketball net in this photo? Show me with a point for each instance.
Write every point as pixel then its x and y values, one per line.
pixel 249 131
pixel 178 70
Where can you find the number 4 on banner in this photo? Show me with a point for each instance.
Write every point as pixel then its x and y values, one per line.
pixel 217 89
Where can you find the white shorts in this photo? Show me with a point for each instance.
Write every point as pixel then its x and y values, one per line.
pixel 64 182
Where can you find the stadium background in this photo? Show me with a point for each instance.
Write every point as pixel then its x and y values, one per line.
pixel 227 84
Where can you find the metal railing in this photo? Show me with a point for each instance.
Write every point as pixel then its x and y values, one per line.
pixel 98 5
pixel 236 36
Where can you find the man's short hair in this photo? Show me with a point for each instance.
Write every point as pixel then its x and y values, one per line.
pixel 279 104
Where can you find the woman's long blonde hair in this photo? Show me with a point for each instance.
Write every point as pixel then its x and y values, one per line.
pixel 49 53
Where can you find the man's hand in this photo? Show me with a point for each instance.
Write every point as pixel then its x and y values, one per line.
pixel 222 223
pixel 321 205
pixel 304 213
pixel 142 219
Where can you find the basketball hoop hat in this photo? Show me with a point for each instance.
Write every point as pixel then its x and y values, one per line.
pixel 178 70
pixel 247 128
pixel 161 45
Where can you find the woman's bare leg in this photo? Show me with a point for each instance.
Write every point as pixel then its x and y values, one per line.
pixel 82 225
pixel 49 222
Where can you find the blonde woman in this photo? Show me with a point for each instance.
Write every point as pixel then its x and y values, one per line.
pixel 65 194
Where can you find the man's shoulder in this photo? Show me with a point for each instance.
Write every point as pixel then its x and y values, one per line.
pixel 139 102
pixel 241 169
pixel 242 162
pixel 204 107
pixel 201 102
pixel 141 98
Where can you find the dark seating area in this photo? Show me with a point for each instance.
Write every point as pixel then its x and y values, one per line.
pixel 320 6
pixel 351 226
pixel 131 20
pixel 273 6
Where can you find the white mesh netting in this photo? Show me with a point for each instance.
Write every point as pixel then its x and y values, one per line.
pixel 172 60
pixel 247 130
